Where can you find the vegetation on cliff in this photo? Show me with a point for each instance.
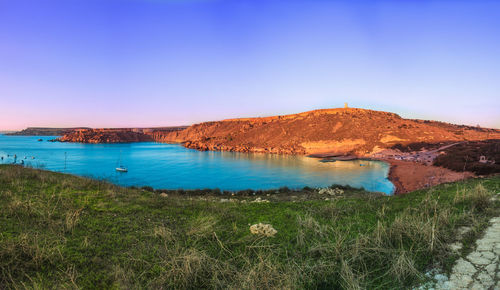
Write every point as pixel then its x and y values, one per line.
pixel 63 231
pixel 467 157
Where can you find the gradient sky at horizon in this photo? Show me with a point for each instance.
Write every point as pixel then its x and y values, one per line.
pixel 141 63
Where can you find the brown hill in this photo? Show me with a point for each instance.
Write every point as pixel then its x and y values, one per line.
pixel 328 131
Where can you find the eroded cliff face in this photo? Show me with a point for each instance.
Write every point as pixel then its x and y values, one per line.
pixel 119 135
pixel 330 131
pixel 105 136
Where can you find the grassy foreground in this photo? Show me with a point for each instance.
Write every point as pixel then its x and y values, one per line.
pixel 64 231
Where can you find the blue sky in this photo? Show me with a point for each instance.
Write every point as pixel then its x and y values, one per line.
pixel 139 63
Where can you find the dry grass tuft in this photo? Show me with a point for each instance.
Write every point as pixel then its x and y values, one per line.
pixel 189 268
pixel 479 196
pixel 123 278
pixel 72 217
pixel 29 251
pixel 202 226
pixel 307 225
pixel 350 280
pixel 164 233
pixel 403 267
pixel 267 273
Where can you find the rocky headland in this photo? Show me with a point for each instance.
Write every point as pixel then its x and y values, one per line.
pixel 343 132
pixel 117 135
pixel 346 131
pixel 105 136
pixel 328 132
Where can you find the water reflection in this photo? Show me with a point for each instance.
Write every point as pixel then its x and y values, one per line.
pixel 173 166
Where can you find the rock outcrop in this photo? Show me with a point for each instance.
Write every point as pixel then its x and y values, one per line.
pixel 329 131
pixel 118 135
pixel 105 136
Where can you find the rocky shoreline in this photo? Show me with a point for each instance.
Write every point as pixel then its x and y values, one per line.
pixel 344 133
pixel 347 131
pixel 203 146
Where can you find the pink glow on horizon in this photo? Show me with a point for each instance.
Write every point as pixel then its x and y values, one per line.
pixel 165 63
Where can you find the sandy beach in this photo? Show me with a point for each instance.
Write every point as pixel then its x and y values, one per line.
pixel 408 176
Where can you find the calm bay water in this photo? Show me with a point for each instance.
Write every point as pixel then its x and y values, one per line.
pixel 170 166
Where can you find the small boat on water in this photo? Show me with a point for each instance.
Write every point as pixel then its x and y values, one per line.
pixel 121 168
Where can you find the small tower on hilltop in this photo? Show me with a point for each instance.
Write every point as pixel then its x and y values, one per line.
pixel 346 106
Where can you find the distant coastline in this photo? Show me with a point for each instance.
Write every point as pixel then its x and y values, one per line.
pixel 43 131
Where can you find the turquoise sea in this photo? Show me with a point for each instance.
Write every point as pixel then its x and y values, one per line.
pixel 171 166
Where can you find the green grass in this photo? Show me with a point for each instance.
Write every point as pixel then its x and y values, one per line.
pixel 63 231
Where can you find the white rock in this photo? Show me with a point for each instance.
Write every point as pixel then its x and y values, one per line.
pixel 263 229
pixel 259 200
pixel 477 286
pixel 477 259
pixel 460 281
pixel 488 255
pixel 440 278
pixel 462 267
pixel 486 280
pixel 491 269
pixel 495 220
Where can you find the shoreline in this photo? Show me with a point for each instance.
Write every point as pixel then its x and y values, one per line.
pixel 285 193
pixel 408 176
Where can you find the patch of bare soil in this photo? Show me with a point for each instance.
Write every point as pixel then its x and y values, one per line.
pixel 408 176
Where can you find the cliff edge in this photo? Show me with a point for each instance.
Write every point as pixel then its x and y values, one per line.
pixel 342 131
pixel 327 132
